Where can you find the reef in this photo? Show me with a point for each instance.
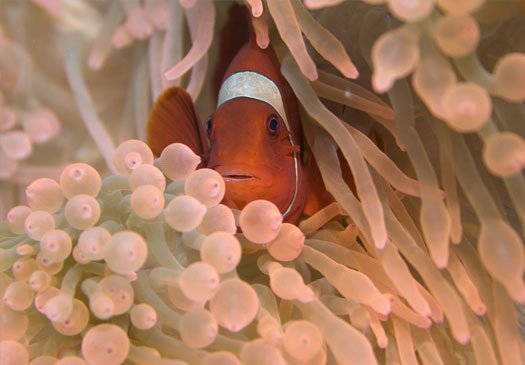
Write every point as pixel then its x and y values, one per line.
pixel 111 255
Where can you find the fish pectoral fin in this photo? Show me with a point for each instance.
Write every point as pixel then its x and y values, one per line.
pixel 173 120
pixel 316 195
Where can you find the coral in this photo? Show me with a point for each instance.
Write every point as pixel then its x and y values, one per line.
pixel 109 255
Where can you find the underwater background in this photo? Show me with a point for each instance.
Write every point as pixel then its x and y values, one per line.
pixel 422 261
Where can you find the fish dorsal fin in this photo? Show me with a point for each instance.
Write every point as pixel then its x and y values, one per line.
pixel 233 36
pixel 173 119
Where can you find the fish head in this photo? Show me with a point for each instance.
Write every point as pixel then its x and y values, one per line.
pixel 254 151
pixel 255 133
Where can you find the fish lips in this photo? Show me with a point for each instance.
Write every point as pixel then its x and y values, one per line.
pixel 245 174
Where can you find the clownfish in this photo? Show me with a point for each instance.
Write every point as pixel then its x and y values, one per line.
pixel 253 139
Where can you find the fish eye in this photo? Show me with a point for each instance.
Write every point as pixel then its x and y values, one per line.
pixel 272 124
pixel 209 125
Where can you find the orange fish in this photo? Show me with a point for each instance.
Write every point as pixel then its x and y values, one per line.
pixel 253 139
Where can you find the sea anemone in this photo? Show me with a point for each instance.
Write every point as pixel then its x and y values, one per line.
pixel 111 255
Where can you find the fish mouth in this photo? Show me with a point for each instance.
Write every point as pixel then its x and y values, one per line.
pixel 244 174
pixel 238 177
pixel 232 174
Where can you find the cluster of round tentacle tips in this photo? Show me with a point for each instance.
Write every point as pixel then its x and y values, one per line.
pixel 288 284
pixel 21 133
pixel 24 124
pixel 234 305
pixel 143 316
pixel 128 22
pixel 119 290
pixel 288 244
pixel 457 35
pixel 206 185
pixel 199 281
pixel 100 304
pixel 260 221
pixel 16 218
pixel 23 268
pixel 14 324
pixel 18 296
pixel 147 201
pixel 219 218
pixel 82 211
pixel 394 55
pixel 80 178
pixel 105 344
pixel 76 322
pixel 16 145
pixel 39 280
pixel 177 161
pixel 58 307
pixel 91 243
pixel 431 79
pixel 147 175
pixel 184 213
pixel 44 194
pixel 37 223
pixel 55 246
pixel 130 155
pixel 467 107
pixel 125 252
pixel 41 125
pixel 198 328
pixel 137 25
pixel 504 154
pixel 49 267
pixel 509 74
pixel 112 234
pixel 302 340
pixel 258 352
pixel 411 11
pixel 13 353
pixel 180 301
pixel 222 250
pixel 501 252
